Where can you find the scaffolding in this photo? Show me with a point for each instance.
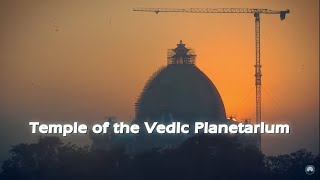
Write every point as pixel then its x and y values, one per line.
pixel 178 56
pixel 147 86
pixel 181 55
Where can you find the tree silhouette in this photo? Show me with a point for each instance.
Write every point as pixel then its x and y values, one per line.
pixel 291 166
pixel 201 157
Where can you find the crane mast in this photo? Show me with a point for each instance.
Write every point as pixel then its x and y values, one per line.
pixel 258 74
pixel 256 13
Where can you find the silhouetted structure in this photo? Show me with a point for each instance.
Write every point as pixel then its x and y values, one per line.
pixel 180 91
pixel 256 13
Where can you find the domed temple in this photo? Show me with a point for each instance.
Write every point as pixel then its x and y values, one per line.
pixel 180 90
pixel 177 92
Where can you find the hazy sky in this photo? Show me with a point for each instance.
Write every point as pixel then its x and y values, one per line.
pixel 62 61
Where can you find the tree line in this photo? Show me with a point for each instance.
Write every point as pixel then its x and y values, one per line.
pixel 201 157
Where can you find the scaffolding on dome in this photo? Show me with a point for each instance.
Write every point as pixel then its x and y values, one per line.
pixel 181 55
pixel 147 86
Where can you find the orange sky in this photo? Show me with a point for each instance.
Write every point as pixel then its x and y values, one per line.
pixel 82 60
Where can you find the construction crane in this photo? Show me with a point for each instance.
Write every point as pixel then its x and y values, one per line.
pixel 256 13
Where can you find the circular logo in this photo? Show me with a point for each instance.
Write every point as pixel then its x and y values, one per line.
pixel 310 169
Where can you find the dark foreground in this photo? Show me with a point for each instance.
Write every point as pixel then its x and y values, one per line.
pixel 202 157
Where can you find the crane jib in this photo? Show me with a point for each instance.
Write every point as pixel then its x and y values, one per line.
pixel 215 10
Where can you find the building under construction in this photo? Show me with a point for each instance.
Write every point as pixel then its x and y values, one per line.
pixel 177 92
pixel 180 91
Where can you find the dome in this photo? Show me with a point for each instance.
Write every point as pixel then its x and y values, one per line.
pixel 182 91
